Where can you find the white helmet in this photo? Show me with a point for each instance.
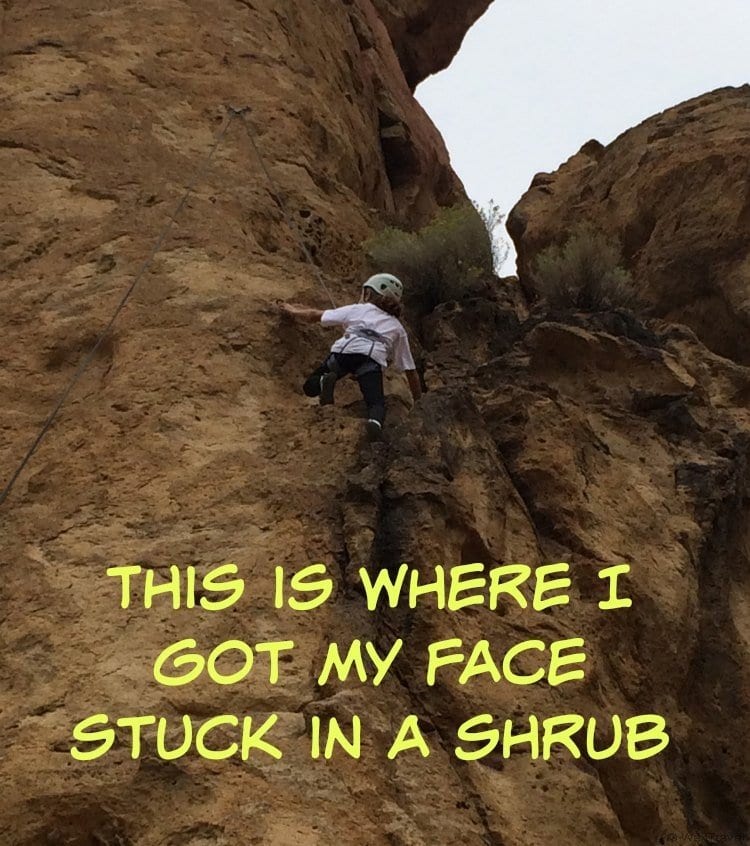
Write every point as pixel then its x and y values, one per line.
pixel 386 285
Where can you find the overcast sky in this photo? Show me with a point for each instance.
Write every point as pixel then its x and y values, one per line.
pixel 536 79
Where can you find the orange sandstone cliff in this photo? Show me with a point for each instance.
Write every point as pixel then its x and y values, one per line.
pixel 676 193
pixel 588 439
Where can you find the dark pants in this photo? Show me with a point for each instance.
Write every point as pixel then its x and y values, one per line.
pixel 367 372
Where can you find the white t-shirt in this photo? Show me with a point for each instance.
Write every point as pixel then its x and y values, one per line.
pixel 368 330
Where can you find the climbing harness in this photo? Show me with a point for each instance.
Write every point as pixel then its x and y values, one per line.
pixel 368 334
pixel 332 363
pixel 232 114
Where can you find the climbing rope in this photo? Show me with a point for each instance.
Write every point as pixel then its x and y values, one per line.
pixel 232 114
pixel 241 113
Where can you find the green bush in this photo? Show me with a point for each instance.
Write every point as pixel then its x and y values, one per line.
pixel 585 273
pixel 449 259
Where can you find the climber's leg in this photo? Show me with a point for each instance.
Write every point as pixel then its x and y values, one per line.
pixel 322 381
pixel 327 386
pixel 371 385
pixel 312 383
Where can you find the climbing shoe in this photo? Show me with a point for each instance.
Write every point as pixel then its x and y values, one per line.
pixel 327 384
pixel 374 430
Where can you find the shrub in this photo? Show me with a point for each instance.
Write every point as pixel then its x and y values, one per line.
pixel 449 259
pixel 585 273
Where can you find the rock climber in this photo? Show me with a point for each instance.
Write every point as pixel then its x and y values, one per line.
pixel 373 338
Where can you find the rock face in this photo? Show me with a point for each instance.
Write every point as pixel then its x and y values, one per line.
pixel 592 440
pixel 428 33
pixel 676 192
pixel 622 441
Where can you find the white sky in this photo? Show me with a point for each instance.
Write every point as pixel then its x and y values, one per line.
pixel 536 79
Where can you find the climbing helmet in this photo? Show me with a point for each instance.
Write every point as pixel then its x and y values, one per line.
pixel 386 285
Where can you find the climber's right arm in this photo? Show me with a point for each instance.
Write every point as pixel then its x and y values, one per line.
pixel 303 313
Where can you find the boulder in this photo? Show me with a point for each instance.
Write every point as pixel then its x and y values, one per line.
pixel 675 191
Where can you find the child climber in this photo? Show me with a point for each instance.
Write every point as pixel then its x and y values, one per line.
pixel 373 338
